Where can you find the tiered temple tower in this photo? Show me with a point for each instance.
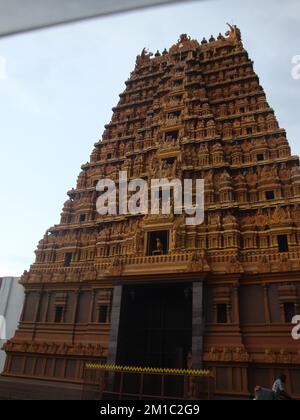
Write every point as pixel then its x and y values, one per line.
pixel 222 294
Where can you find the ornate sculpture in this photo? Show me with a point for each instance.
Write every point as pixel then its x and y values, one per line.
pixel 159 247
pixel 144 57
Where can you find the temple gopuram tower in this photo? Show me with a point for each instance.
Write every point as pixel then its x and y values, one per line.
pixel 151 290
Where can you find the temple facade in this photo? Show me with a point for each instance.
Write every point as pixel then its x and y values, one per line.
pixel 151 290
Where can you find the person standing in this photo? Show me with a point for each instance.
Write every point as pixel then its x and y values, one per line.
pixel 279 389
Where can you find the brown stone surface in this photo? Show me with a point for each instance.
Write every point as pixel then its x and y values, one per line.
pixel 247 253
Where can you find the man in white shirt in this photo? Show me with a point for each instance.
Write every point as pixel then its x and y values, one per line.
pixel 279 389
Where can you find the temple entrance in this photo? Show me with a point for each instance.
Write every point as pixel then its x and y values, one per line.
pixel 155 326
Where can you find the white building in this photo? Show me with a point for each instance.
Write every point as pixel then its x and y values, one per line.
pixel 11 304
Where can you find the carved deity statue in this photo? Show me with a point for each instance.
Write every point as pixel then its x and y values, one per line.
pixel 159 247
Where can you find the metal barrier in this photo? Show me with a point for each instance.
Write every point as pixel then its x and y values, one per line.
pixel 103 382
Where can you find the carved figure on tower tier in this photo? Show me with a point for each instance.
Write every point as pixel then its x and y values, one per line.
pixel 200 129
pixel 217 154
pixel 127 167
pixel 252 179
pixel 204 155
pixel 211 129
pixel 143 58
pixel 284 174
pixel 121 150
pixel 237 129
pixel 188 156
pixel 284 149
pixel 237 157
pixel 81 183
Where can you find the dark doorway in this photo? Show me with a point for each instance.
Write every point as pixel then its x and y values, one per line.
pixel 289 312
pixel 283 243
pixel 222 314
pixel 155 326
pixel 68 259
pixel 59 312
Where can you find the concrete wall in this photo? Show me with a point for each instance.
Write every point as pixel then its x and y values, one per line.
pixel 11 304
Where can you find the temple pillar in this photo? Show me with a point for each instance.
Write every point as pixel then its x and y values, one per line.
pixel 36 314
pixel 267 304
pixel 197 326
pixel 74 315
pixel 115 323
pixel 92 305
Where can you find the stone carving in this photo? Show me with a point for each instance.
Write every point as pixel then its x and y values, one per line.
pixel 281 357
pixel 198 263
pixel 226 354
pixel 184 43
pixel 143 58
pixel 235 266
pixel 270 356
pixel 241 355
pixel 159 247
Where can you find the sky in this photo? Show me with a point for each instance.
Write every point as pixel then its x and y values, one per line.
pixel 60 85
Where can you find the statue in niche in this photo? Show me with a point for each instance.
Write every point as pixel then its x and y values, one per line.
pixel 159 249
